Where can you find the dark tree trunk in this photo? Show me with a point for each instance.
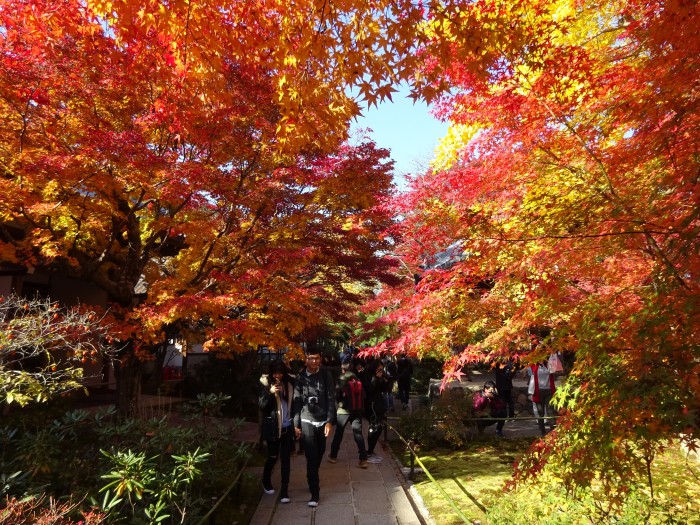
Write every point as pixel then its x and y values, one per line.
pixel 160 353
pixel 152 383
pixel 128 374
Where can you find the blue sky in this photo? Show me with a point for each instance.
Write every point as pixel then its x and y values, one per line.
pixel 406 129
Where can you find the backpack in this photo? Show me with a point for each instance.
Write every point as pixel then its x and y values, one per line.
pixel 353 395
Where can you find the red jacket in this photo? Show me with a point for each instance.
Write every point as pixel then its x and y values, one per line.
pixel 493 404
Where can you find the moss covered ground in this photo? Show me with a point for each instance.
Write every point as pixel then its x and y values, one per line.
pixel 474 475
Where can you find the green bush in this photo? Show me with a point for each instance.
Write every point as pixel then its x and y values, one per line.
pixel 441 422
pixel 156 488
pixel 152 462
pixel 417 427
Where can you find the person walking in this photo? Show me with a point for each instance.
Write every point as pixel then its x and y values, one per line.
pixel 505 372
pixel 314 412
pixel 375 386
pixel 404 371
pixel 275 401
pixel 351 397
pixel 390 374
pixel 540 390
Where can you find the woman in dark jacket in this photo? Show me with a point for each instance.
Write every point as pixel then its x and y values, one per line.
pixel 375 385
pixel 277 428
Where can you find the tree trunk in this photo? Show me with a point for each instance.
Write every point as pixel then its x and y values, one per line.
pixel 128 374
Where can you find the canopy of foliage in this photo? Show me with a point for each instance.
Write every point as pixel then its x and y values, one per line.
pixel 569 183
pixel 197 148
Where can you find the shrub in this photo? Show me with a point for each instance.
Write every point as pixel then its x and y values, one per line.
pixel 450 412
pixel 46 511
pixel 423 371
pixel 441 422
pixel 62 457
pixel 42 347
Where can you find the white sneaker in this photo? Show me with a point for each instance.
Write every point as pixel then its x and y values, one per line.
pixel 374 459
pixel 313 503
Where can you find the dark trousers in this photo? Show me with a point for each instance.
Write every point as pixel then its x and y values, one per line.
pixel 281 448
pixel 483 423
pixel 404 387
pixel 507 397
pixel 389 396
pixel 544 407
pixel 314 449
pixel 375 417
pixel 373 434
pixel 355 421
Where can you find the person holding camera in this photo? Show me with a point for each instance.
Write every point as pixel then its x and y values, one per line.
pixel 314 416
pixel 487 405
pixel 275 401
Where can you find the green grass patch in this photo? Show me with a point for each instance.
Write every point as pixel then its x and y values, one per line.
pixel 474 476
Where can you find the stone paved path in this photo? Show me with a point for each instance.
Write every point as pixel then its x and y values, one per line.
pixel 380 495
pixel 349 495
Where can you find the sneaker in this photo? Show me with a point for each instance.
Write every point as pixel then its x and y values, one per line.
pixel 362 463
pixel 313 502
pixel 284 493
pixel 268 489
pixel 373 458
pixel 331 459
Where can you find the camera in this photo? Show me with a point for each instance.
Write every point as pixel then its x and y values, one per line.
pixel 313 400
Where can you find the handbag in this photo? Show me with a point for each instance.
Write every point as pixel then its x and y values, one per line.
pixel 554 364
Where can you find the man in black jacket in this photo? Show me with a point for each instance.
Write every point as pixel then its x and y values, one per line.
pixel 314 416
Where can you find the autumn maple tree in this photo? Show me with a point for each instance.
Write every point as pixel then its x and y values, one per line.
pixel 198 151
pixel 570 179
